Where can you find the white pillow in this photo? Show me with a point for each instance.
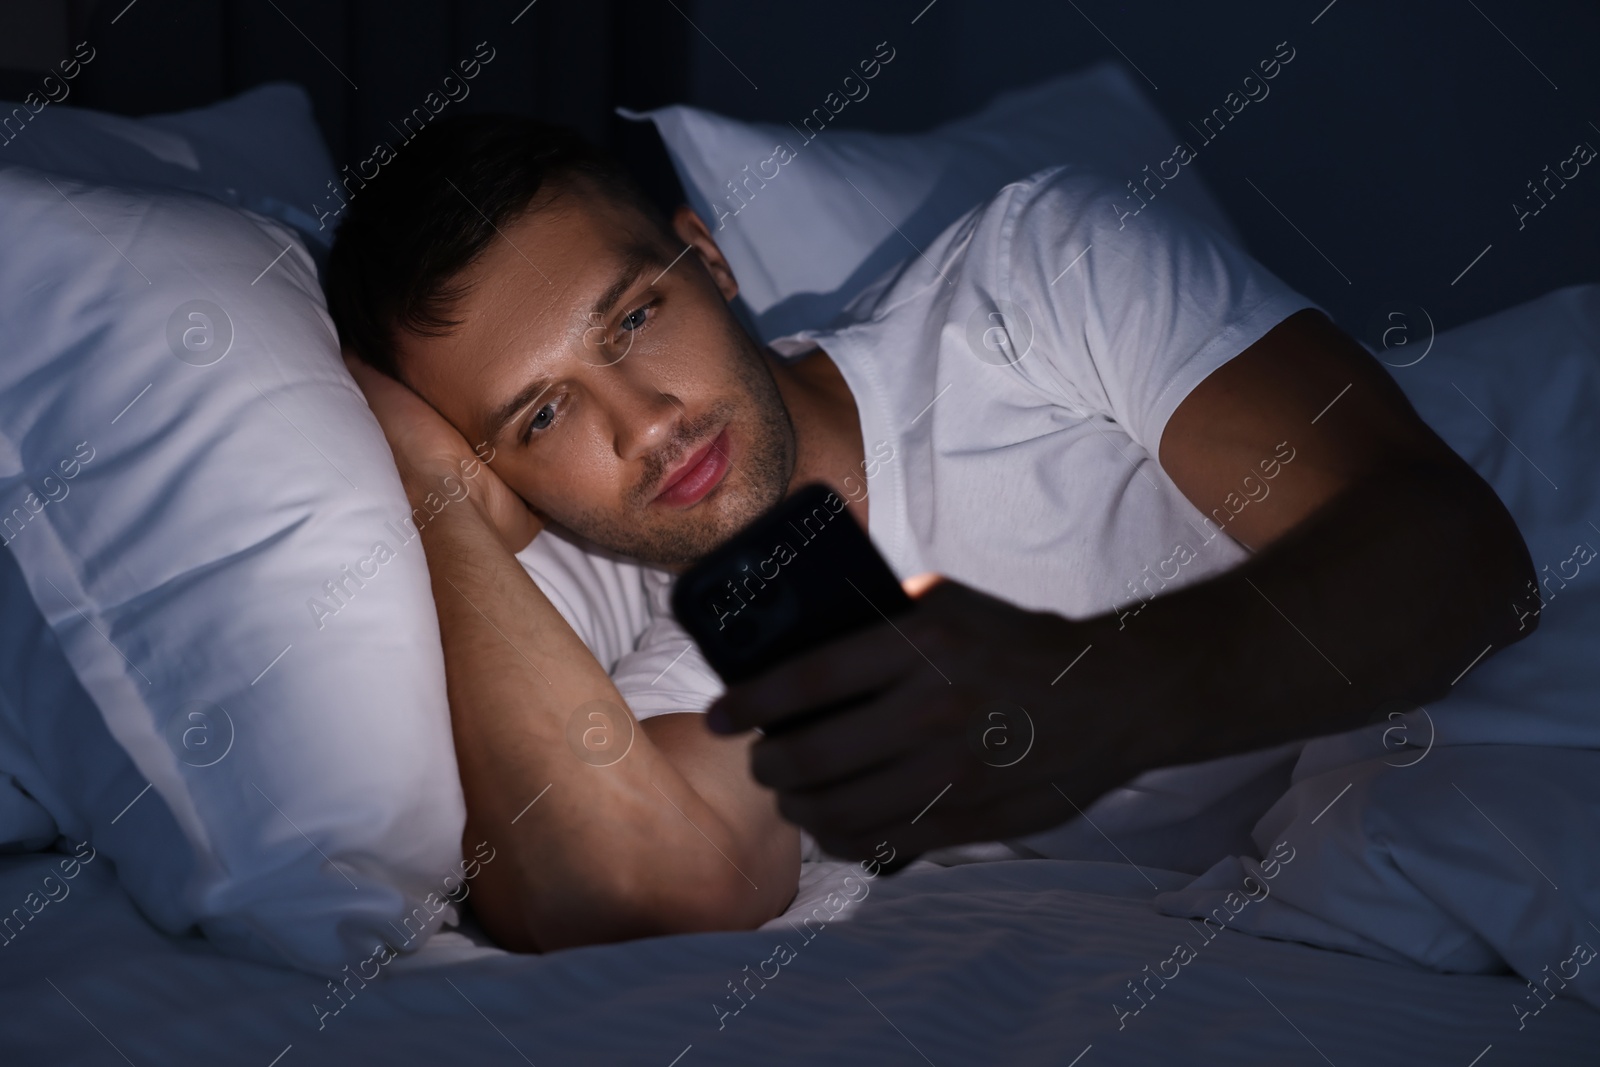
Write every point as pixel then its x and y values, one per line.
pixel 186 466
pixel 811 228
pixel 260 150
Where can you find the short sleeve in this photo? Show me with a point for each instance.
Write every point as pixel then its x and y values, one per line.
pixel 666 672
pixel 603 600
pixel 1131 304
pixel 622 612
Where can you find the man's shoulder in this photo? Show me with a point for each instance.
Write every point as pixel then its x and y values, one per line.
pixel 1059 183
pixel 974 246
pixel 1062 194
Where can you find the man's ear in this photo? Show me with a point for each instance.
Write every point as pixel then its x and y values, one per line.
pixel 691 229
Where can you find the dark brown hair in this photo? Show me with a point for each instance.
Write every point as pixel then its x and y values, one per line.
pixel 410 231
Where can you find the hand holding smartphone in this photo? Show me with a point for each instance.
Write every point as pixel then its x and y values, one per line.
pixel 799 576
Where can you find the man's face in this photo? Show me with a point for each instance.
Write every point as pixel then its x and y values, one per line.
pixel 596 367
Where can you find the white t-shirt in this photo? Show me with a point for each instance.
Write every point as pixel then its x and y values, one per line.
pixel 1013 380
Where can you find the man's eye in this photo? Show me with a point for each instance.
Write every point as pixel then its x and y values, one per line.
pixel 540 421
pixel 636 318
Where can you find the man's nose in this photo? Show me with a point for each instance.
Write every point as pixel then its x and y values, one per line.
pixel 644 418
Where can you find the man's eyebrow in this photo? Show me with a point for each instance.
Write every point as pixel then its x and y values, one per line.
pixel 506 412
pixel 637 259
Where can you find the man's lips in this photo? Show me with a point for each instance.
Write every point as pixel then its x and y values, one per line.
pixel 697 475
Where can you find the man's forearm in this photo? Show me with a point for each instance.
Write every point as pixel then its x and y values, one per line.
pixel 609 851
pixel 1365 603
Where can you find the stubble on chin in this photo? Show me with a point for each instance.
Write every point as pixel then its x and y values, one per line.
pixel 674 539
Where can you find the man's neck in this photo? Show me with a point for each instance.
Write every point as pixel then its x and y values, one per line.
pixel 827 424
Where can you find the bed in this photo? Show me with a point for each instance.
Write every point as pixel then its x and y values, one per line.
pixel 1063 959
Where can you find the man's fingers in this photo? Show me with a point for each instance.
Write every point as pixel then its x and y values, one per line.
pixel 892 794
pixel 918 584
pixel 854 666
pixel 366 375
pixel 1027 811
pixel 850 741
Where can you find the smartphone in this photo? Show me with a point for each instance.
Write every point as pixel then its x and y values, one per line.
pixel 801 575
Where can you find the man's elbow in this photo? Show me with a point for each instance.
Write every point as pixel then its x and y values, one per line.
pixel 1512 598
pixel 717 895
pixel 1499 568
pixel 744 881
pixel 522 915
pixel 1469 545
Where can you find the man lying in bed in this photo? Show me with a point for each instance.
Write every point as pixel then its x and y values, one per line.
pixel 1074 415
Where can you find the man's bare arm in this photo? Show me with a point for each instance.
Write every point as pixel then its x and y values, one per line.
pixel 1385 567
pixel 673 836
pixel 610 851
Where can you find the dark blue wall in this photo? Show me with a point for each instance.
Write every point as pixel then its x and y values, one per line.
pixel 1397 140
